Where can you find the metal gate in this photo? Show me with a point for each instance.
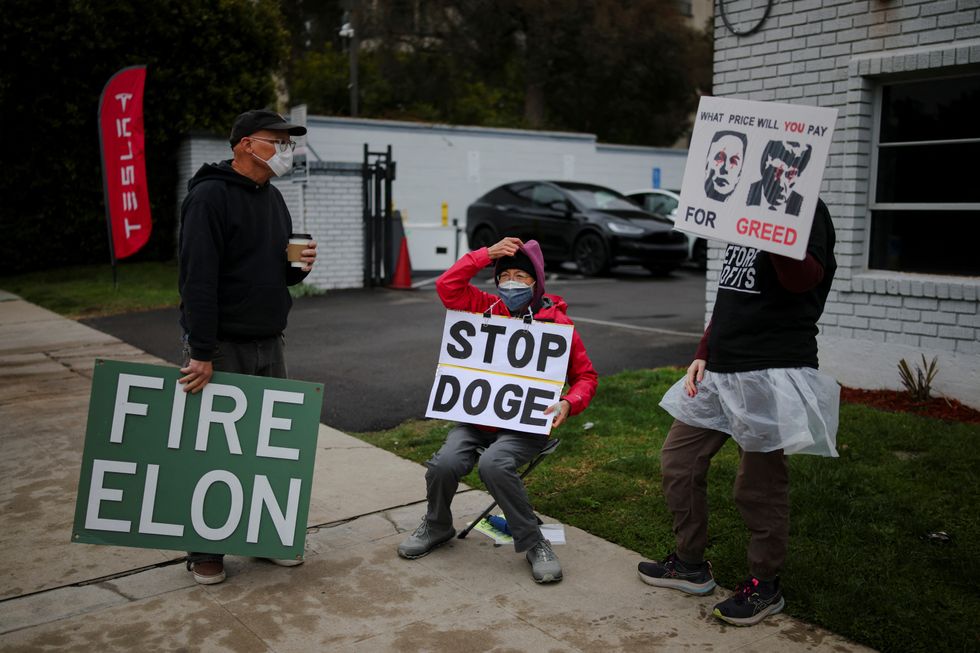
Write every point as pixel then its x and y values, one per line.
pixel 379 239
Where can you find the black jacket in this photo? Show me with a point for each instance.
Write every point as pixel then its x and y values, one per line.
pixel 757 323
pixel 232 251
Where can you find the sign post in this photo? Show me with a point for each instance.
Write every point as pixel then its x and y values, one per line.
pixel 121 137
pixel 500 371
pixel 226 470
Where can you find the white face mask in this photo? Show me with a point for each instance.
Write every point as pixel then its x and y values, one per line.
pixel 279 163
pixel 514 285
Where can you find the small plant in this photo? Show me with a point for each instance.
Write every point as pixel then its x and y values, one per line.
pixel 919 383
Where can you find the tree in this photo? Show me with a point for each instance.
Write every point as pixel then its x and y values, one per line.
pixel 206 62
pixel 628 71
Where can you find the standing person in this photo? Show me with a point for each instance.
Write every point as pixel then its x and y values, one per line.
pixel 754 379
pixel 234 301
pixel 519 273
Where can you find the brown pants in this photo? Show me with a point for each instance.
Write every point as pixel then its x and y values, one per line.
pixel 761 494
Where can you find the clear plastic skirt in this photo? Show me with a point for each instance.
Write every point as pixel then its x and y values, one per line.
pixel 794 409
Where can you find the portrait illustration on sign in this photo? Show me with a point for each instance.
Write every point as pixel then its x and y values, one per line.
pixel 723 167
pixel 781 164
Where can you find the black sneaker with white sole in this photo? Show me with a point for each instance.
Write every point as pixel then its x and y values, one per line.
pixel 676 574
pixel 753 601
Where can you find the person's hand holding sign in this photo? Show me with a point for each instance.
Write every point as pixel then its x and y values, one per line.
pixel 506 247
pixel 198 373
pixel 561 410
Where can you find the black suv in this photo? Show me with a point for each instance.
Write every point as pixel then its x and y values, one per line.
pixel 593 226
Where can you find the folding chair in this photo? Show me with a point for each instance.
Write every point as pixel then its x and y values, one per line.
pixel 551 445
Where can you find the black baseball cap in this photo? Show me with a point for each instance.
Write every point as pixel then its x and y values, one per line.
pixel 258 119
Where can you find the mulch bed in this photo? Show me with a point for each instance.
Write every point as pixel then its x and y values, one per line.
pixel 899 402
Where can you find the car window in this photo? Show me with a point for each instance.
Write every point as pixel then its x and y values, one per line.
pixel 510 195
pixel 662 204
pixel 600 198
pixel 545 196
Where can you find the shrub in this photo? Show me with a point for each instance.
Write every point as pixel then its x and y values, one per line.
pixel 918 384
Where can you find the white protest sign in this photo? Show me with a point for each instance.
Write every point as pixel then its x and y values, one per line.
pixel 500 371
pixel 753 173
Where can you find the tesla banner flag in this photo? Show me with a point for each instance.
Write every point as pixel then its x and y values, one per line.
pixel 499 371
pixel 753 173
pixel 123 161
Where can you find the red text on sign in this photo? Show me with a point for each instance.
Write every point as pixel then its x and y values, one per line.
pixel 766 231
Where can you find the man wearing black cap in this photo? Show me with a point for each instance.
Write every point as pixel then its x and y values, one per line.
pixel 234 228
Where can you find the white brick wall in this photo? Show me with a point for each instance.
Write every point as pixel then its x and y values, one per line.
pixel 331 209
pixel 834 53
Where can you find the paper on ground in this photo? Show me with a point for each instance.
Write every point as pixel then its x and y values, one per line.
pixel 554 533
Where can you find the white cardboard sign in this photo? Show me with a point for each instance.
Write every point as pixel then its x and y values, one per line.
pixel 753 173
pixel 500 371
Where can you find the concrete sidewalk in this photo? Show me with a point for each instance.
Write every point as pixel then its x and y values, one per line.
pixel 353 594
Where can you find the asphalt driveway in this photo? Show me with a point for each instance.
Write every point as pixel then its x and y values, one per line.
pixel 376 350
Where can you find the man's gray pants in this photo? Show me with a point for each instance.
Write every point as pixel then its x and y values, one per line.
pixel 505 452
pixel 261 357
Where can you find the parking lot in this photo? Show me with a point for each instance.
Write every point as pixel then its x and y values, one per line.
pixel 376 349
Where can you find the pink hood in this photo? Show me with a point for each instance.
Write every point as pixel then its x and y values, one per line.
pixel 533 251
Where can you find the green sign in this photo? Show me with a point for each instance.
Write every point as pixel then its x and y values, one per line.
pixel 226 470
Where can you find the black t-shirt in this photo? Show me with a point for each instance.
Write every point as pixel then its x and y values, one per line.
pixel 757 323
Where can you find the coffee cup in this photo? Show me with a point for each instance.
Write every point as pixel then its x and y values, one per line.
pixel 294 250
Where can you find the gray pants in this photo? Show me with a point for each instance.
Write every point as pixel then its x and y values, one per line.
pixel 505 452
pixel 265 357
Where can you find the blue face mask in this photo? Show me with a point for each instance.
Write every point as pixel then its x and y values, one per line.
pixel 515 294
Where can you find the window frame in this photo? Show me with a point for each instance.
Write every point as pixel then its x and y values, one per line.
pixel 876 145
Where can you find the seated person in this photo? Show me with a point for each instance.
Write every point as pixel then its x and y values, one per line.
pixel 519 273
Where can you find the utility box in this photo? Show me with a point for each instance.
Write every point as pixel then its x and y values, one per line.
pixel 433 247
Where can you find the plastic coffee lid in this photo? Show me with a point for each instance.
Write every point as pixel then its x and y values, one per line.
pixel 299 236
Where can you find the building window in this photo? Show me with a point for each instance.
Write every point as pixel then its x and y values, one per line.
pixel 925 208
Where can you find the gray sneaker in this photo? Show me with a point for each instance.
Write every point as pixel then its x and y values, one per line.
pixel 545 567
pixel 423 540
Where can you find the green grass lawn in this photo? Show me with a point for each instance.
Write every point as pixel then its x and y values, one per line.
pixel 87 290
pixel 859 562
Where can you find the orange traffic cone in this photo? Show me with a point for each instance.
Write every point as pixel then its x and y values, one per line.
pixel 403 269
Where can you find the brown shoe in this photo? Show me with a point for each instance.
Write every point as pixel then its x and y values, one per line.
pixel 208 571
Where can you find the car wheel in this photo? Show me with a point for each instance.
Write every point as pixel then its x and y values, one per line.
pixel 590 254
pixel 699 254
pixel 483 237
